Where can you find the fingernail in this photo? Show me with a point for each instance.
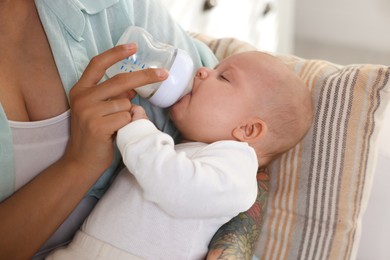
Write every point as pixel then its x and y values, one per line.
pixel 161 73
pixel 131 46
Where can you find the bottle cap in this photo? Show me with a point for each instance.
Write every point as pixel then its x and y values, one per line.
pixel 178 83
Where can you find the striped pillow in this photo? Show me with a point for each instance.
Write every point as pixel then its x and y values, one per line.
pixel 319 189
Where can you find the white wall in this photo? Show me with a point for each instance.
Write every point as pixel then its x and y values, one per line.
pixel 359 23
pixel 285 27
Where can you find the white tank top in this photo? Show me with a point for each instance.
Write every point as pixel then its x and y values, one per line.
pixel 37 145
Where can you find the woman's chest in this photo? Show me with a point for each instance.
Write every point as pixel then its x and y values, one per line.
pixel 30 86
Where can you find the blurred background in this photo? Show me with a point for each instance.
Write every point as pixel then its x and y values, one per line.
pixel 344 31
pixel 340 31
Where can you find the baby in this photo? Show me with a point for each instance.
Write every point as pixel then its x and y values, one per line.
pixel 171 199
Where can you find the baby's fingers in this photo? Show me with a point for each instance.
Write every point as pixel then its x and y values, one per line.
pixel 137 112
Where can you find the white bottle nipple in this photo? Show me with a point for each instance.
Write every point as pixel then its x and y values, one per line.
pixel 153 54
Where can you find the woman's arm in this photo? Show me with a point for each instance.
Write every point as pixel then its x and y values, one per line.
pixel 33 213
pixel 237 239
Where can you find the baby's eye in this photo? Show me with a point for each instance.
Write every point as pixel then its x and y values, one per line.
pixel 223 77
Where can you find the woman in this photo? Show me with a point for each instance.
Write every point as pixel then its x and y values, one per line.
pixel 51 158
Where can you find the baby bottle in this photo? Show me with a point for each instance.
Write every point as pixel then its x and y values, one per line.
pixel 154 54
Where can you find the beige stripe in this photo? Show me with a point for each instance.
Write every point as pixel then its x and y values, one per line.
pixel 228 43
pixel 276 200
pixel 294 205
pixel 271 225
pixel 284 201
pixel 289 198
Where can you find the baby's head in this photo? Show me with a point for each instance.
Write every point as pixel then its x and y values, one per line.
pixel 250 97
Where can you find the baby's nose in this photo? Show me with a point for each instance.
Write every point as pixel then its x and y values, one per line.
pixel 202 73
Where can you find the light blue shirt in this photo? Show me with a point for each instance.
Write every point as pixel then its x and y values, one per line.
pixel 78 30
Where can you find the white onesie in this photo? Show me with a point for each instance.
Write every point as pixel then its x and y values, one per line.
pixel 171 200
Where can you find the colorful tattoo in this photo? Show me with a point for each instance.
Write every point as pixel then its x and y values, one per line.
pixel 237 238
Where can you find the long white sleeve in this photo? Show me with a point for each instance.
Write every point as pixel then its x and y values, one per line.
pixel 215 181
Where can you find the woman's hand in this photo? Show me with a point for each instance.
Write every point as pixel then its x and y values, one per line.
pixel 98 110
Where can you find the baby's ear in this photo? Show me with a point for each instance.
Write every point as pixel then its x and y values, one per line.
pixel 250 131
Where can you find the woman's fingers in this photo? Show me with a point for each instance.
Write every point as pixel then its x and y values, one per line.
pixel 98 65
pixel 109 107
pixel 120 84
pixel 115 121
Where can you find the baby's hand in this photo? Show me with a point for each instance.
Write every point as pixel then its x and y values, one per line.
pixel 137 112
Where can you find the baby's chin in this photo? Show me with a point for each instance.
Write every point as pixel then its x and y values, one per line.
pixel 175 112
pixel 178 110
pixel 181 105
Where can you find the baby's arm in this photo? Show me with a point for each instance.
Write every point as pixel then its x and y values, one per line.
pixel 218 181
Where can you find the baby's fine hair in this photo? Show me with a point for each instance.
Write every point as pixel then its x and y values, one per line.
pixel 289 111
